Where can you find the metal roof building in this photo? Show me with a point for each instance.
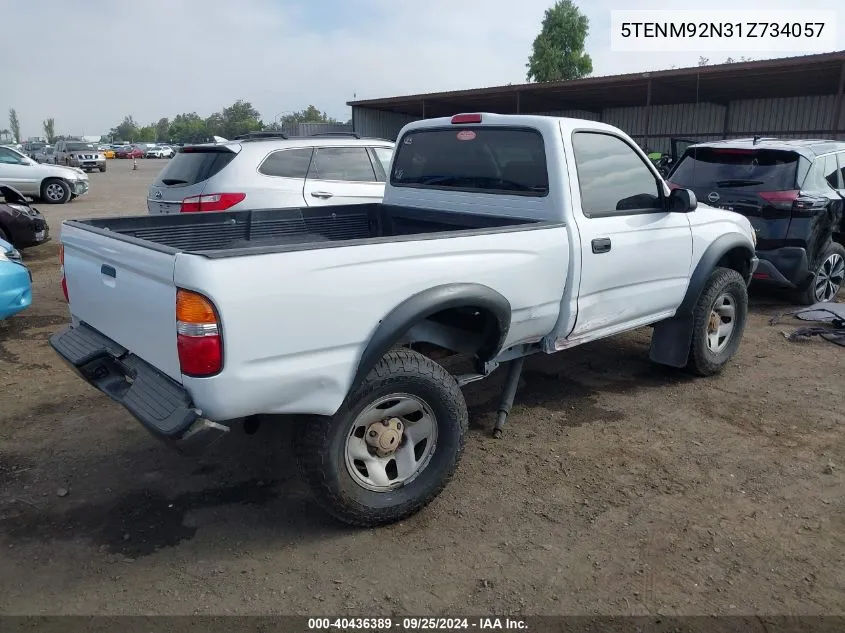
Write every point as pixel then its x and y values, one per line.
pixel 791 98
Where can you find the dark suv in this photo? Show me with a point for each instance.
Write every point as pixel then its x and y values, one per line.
pixel 792 191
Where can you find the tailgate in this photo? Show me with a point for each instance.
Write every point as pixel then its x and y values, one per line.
pixel 126 292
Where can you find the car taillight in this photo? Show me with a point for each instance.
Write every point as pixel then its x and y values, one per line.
pixel 782 200
pixel 198 339
pixel 62 271
pixel 211 202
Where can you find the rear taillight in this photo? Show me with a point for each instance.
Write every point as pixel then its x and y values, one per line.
pixel 211 202
pixel 62 271
pixel 782 200
pixel 198 339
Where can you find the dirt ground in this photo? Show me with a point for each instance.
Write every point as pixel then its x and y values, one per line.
pixel 620 488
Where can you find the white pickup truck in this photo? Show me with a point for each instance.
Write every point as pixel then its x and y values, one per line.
pixel 498 237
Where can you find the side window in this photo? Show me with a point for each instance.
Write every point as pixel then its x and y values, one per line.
pixel 841 156
pixel 830 171
pixel 613 178
pixel 287 163
pixel 384 155
pixel 8 157
pixel 342 163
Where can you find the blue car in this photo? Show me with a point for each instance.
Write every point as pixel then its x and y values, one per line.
pixel 15 282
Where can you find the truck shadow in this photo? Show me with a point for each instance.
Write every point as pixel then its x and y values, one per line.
pixel 132 497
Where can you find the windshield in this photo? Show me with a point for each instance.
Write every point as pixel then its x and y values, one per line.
pixel 77 147
pixel 752 170
pixel 482 159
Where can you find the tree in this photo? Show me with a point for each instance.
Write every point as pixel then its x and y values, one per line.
pixel 162 129
pixel 703 61
pixel 50 130
pixel 238 118
pixel 558 51
pixel 4 133
pixel 126 131
pixel 188 128
pixel 146 134
pixel 15 125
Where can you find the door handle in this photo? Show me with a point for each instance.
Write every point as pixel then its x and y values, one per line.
pixel 321 194
pixel 601 245
pixel 108 271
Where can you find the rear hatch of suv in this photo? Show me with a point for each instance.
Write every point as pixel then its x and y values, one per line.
pixel 181 185
pixel 762 184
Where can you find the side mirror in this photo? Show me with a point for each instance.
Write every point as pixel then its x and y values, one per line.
pixel 682 201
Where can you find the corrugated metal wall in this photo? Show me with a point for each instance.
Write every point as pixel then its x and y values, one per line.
pixel 793 117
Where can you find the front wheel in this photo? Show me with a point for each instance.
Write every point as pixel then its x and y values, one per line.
pixel 102 168
pixel 718 322
pixel 55 191
pixel 393 445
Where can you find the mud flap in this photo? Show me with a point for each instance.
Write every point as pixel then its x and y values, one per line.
pixel 671 341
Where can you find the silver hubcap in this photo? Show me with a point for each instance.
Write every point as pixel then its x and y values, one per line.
pixel 55 191
pixel 720 325
pixel 829 278
pixel 391 442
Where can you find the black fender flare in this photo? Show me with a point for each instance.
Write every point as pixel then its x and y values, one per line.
pixel 422 305
pixel 671 340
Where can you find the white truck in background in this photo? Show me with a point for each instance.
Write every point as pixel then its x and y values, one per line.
pixel 498 237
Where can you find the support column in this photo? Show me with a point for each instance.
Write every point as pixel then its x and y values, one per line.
pixel 517 101
pixel 726 124
pixel 837 103
pixel 647 113
pixel 423 109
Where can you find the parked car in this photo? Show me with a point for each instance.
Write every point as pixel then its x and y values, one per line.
pixel 107 151
pixel 44 155
pixel 499 236
pixel 32 148
pixel 81 154
pixel 21 224
pixel 159 152
pixel 793 193
pixel 129 151
pixel 270 170
pixel 52 184
pixel 15 282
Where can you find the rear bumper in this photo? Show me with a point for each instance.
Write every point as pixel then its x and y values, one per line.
pixel 787 267
pixel 161 405
pixel 15 289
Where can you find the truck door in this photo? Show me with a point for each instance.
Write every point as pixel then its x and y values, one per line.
pixel 636 256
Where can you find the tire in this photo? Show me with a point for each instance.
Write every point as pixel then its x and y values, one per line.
pixel 4 236
pixel 724 294
pixel 827 277
pixel 55 191
pixel 403 379
pixel 102 168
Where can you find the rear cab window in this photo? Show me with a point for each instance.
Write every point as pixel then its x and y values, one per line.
pixel 194 165
pixel 493 159
pixel 750 169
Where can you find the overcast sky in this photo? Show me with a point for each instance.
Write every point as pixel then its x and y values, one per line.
pixel 89 63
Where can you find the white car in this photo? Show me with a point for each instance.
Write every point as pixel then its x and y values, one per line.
pixel 159 152
pixel 499 236
pixel 53 184
pixel 269 170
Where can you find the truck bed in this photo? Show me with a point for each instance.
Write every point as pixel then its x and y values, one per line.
pixel 233 233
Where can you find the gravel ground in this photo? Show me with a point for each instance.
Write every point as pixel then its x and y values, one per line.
pixel 620 488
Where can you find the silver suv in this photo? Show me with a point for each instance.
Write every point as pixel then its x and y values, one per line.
pixel 80 154
pixel 269 170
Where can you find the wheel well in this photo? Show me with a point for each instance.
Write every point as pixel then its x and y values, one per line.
pixel 457 330
pixel 736 259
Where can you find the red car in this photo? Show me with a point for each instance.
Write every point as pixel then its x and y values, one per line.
pixel 129 152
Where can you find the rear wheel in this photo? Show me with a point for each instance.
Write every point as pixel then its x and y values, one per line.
pixel 393 445
pixel 828 277
pixel 55 191
pixel 718 322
